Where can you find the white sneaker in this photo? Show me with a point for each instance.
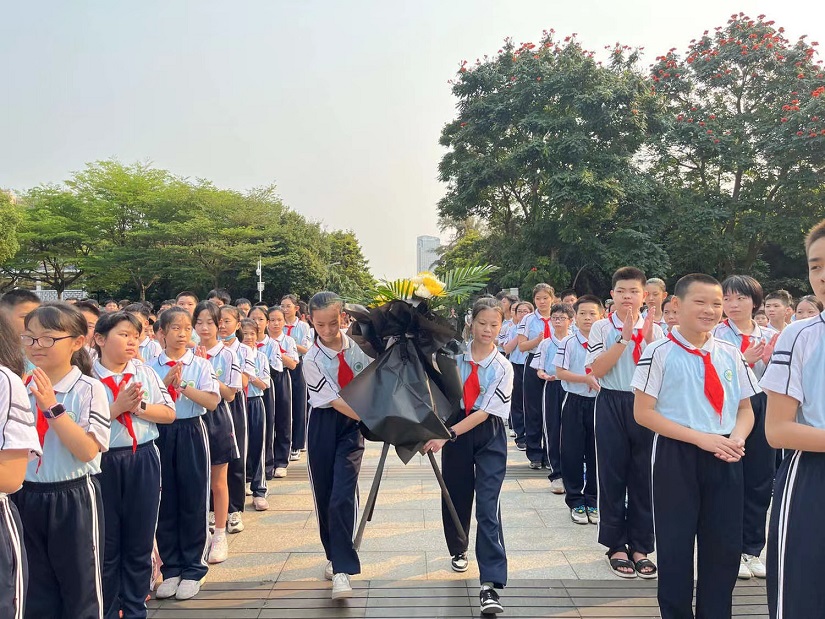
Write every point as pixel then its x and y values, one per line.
pixel 280 472
pixel 341 587
pixel 248 489
pixel 328 571
pixel 744 571
pixel 260 503
pixel 234 523
pixel 512 434
pixel 579 515
pixel 168 588
pixel 211 522
pixel 188 589
pixel 294 456
pixel 557 486
pixel 755 565
pixel 218 550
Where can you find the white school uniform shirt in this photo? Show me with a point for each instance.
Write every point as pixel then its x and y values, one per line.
pixel 18 426
pixel 517 356
pixel 729 332
pixel 272 352
pixel 197 372
pixel 244 356
pixel 149 349
pixel 570 356
pixel 797 368
pixel 504 333
pixel 84 399
pixel 261 371
pixel 603 335
pixel 495 379
pixel 321 370
pixel 225 364
pixel 300 332
pixel 545 355
pixel 287 347
pixel 154 392
pixel 531 326
pixel 675 378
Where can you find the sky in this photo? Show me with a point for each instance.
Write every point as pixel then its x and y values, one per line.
pixel 339 104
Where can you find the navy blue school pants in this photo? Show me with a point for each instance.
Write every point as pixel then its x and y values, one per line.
pixel 578 451
pixel 697 498
pixel 623 450
pixel 183 523
pixel 13 563
pixel 130 485
pixel 796 538
pixel 299 406
pixel 552 399
pixel 759 469
pixel 517 406
pixel 236 471
pixel 533 389
pixel 269 427
pixel 256 450
pixel 474 467
pixel 64 544
pixel 282 439
pixel 334 449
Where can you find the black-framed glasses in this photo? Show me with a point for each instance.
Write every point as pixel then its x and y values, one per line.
pixel 44 341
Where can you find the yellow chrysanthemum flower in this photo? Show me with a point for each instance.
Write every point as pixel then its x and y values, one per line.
pixel 433 284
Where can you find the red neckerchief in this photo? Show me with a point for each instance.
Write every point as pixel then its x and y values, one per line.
pixel 637 340
pixel 173 392
pixel 126 418
pixel 345 374
pixel 42 427
pixel 472 389
pixel 745 340
pixel 714 391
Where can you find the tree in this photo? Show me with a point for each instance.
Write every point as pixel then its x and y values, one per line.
pixel 348 271
pixel 9 220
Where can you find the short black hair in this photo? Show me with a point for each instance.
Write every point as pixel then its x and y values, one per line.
pixel 745 285
pixel 186 293
pixel 564 308
pixel 220 293
pixel 18 296
pixel 242 300
pixel 628 274
pixel 109 300
pixel 780 295
pixel 588 298
pixel 88 306
pixel 684 284
pixel 566 293
pixel 137 308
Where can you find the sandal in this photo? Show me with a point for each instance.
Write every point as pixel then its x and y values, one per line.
pixel 644 564
pixel 616 565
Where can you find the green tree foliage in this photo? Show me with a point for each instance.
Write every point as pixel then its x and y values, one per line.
pixel 9 220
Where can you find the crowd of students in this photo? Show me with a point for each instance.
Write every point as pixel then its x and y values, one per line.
pixel 132 438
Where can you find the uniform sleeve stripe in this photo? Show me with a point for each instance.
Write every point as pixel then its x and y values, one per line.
pixel 99 418
pixel 316 388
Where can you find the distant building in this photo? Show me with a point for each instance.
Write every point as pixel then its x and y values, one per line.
pixel 427 252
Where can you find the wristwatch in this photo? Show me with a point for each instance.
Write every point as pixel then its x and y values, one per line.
pixel 141 408
pixel 453 435
pixel 54 411
pixel 623 342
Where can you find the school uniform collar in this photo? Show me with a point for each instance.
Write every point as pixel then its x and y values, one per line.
pixel 485 363
pixel 619 325
pixel 67 383
pixel 757 330
pixel 145 341
pixel 328 352
pixel 217 348
pixel 234 346
pixel 186 359
pixel 102 372
pixel 581 339
pixel 280 339
pixel 708 347
pixel 539 316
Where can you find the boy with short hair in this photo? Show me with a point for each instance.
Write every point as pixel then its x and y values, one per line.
pixel 578 443
pixel 568 297
pixel 623 447
pixel 219 296
pixel 693 390
pixel 17 304
pixel 779 309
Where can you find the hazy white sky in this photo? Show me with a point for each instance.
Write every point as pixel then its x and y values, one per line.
pixel 339 103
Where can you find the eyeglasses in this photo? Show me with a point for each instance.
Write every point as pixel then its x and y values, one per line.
pixel 559 317
pixel 43 341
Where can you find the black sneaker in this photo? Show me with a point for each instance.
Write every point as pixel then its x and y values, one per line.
pixel 521 446
pixel 536 466
pixel 459 562
pixel 490 604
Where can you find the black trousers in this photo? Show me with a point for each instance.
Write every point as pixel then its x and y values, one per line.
pixel 269 427
pixel 130 485
pixel 623 449
pixel 299 407
pixel 552 398
pixel 796 538
pixel 759 469
pixel 578 451
pixel 533 388
pixel 696 498
pixel 13 563
pixel 236 471
pixel 64 543
pixel 474 467
pixel 282 436
pixel 335 449
pixel 183 524
pixel 256 450
pixel 517 402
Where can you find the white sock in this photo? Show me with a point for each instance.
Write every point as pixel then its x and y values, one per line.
pixel 486 585
pixel 220 532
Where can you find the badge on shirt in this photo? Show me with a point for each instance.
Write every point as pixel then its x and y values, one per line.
pixel 357 366
pixel 219 372
pixel 729 375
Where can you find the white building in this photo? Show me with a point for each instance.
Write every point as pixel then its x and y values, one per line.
pixel 427 252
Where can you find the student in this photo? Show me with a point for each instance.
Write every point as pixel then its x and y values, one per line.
pixel 578 443
pixel 223 447
pixel 110 305
pixel 553 393
pixel 298 330
pixel 334 443
pixel 188 301
pixel 282 381
pixel 273 354
pixel 670 317
pixel 183 531
pixel 130 470
pixel 16 305
pixel 219 296
pixel 796 422
pixel 243 305
pixel 568 297
pixel 228 331
pixel 808 307
pixel 91 313
pixel 474 459
pixel 148 347
pixel 19 444
pixel 532 330
pixel 779 309
pixel 123 303
pixel 760 318
pixel 656 295
pixel 623 447
pixel 507 302
pixel 64 553
pixel 256 418
pixel 166 305
pixel 742 294
pixel 693 390
pixel 517 358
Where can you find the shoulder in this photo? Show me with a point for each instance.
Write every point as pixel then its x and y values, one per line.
pixel 501 365
pixel 657 350
pixel 86 386
pixel 566 341
pixel 801 333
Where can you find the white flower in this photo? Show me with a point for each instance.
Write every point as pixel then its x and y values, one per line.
pixel 422 292
pixel 417 281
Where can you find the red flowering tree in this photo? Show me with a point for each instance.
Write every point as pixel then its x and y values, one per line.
pixel 744 148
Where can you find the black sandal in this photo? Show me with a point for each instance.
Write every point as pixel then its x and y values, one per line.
pixel 616 565
pixel 644 564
